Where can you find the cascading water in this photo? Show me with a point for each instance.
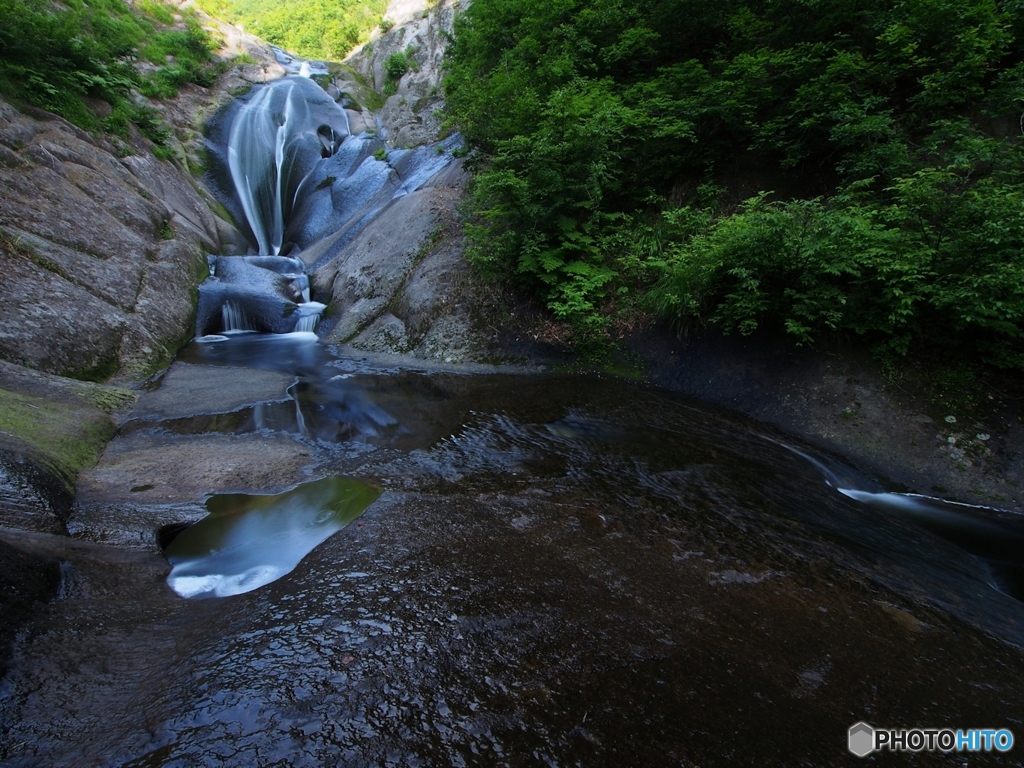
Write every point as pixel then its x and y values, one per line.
pixel 297 176
pixel 270 145
pixel 274 142
pixel 578 569
pixel 289 170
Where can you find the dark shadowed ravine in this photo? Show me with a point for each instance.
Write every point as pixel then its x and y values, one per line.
pixel 413 564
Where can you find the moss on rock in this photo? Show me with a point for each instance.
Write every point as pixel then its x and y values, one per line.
pixel 68 437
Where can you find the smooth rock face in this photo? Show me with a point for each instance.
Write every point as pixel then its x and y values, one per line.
pixel 31 496
pixel 845 404
pixel 50 428
pixel 401 286
pixel 100 254
pixel 143 482
pixel 189 390
pixel 361 281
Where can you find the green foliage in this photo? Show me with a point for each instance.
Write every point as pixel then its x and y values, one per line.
pixel 396 65
pixel 320 29
pixel 59 57
pixel 157 10
pixel 615 141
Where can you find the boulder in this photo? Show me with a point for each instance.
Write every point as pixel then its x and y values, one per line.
pixel 51 428
pixel 361 280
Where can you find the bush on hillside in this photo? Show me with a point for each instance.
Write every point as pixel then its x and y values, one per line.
pixel 846 167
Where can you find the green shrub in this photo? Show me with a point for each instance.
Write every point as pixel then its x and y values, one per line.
pixel 939 265
pixel 58 56
pixel 614 142
pixel 396 65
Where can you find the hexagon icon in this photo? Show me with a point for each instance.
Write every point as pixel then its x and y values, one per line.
pixel 861 739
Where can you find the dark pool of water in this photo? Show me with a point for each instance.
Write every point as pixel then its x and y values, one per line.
pixel 560 570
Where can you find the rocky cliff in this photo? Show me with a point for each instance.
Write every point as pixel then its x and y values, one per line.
pixel 102 244
pixel 393 275
pixel 412 113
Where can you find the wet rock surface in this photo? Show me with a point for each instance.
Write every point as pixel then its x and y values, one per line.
pixel 196 390
pixel 145 481
pixel 844 403
pixel 561 569
pixel 26 582
pixel 50 429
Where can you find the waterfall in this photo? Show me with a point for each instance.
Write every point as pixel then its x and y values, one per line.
pixel 274 125
pixel 289 170
pixel 233 317
pixel 309 316
pixel 300 420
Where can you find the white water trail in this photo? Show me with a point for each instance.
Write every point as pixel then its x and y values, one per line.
pixel 278 225
pixel 267 127
pixel 234 318
pixel 300 420
pixel 259 416
pixel 309 316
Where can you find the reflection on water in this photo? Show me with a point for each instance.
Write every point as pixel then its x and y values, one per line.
pixel 613 433
pixel 247 541
pixel 575 568
pixel 996 538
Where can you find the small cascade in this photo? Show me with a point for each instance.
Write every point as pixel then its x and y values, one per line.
pixel 309 316
pixel 259 416
pixel 300 283
pixel 233 318
pixel 300 420
pixel 266 294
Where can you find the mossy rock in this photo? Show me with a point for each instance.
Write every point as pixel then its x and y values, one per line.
pixel 66 436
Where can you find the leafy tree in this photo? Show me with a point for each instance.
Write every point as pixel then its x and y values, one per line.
pixel 320 29
pixel 819 168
